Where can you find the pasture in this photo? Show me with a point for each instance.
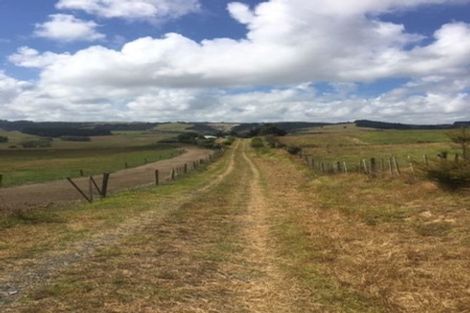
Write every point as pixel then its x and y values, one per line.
pixel 351 144
pixel 255 231
pixel 68 158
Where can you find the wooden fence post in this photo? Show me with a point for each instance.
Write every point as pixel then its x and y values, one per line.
pixel 104 185
pixel 390 166
pixel 426 160
pixel 185 168
pixel 345 167
pixel 1 180
pixel 157 177
pixel 173 174
pixel 90 188
pixel 364 165
pixel 81 173
pixel 411 165
pixel 397 167
pixel 373 166
pixel 79 190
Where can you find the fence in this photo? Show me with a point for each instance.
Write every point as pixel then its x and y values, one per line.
pixel 175 173
pixel 372 166
pixel 96 187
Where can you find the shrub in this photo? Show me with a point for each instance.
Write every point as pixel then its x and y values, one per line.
pixel 3 139
pixel 294 150
pixel 449 174
pixel 42 143
pixel 190 138
pixel 229 140
pixel 257 142
pixel 75 138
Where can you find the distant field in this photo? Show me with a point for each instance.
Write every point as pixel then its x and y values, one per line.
pixel 351 144
pixel 65 158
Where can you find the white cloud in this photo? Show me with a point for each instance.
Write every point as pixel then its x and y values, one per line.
pixel 288 43
pixel 133 9
pixel 64 27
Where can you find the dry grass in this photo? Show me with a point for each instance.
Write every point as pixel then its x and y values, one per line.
pixel 401 245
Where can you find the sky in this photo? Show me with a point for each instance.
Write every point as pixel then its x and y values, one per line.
pixel 223 61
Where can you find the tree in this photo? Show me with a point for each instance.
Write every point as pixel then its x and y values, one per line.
pixel 461 137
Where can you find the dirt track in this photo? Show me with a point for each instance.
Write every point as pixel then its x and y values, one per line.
pixel 44 194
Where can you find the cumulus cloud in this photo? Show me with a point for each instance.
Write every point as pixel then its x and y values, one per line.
pixel 133 9
pixel 65 27
pixel 289 43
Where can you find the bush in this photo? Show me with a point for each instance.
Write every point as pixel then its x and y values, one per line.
pixel 229 140
pixel 75 138
pixel 3 139
pixel 294 150
pixel 43 143
pixel 257 143
pixel 190 138
pixel 449 174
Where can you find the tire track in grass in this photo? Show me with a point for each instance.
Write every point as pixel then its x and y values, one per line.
pixel 264 292
pixel 16 283
pixel 170 265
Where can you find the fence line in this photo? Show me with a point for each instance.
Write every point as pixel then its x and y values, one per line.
pixel 371 167
pixel 175 173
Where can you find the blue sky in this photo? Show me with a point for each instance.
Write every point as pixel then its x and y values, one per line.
pixel 312 60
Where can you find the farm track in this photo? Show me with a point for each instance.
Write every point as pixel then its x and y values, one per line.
pixel 45 194
pixel 19 281
pixel 212 252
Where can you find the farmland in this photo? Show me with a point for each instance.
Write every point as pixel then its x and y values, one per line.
pixel 66 159
pixel 255 231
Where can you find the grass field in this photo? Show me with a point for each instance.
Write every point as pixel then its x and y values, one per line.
pixel 65 159
pixel 352 144
pixel 256 231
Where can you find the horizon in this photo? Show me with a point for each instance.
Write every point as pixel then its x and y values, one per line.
pixel 252 61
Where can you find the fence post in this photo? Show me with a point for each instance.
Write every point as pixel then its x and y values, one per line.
pixel 364 164
pixel 79 190
pixel 185 168
pixel 173 174
pixel 397 167
pixel 426 160
pixel 345 167
pixel 81 173
pixel 411 165
pixel 104 185
pixel 90 188
pixel 390 166
pixel 157 178
pixel 1 180
pixel 373 166
pixel 126 165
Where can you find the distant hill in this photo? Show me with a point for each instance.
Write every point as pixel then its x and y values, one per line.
pixel 386 125
pixel 289 127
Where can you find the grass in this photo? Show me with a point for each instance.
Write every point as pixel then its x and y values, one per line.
pixel 161 263
pixel 351 144
pixel 58 226
pixel 301 258
pixel 401 244
pixel 22 167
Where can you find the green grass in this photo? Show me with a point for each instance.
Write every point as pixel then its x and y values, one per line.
pixel 352 144
pixel 33 166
